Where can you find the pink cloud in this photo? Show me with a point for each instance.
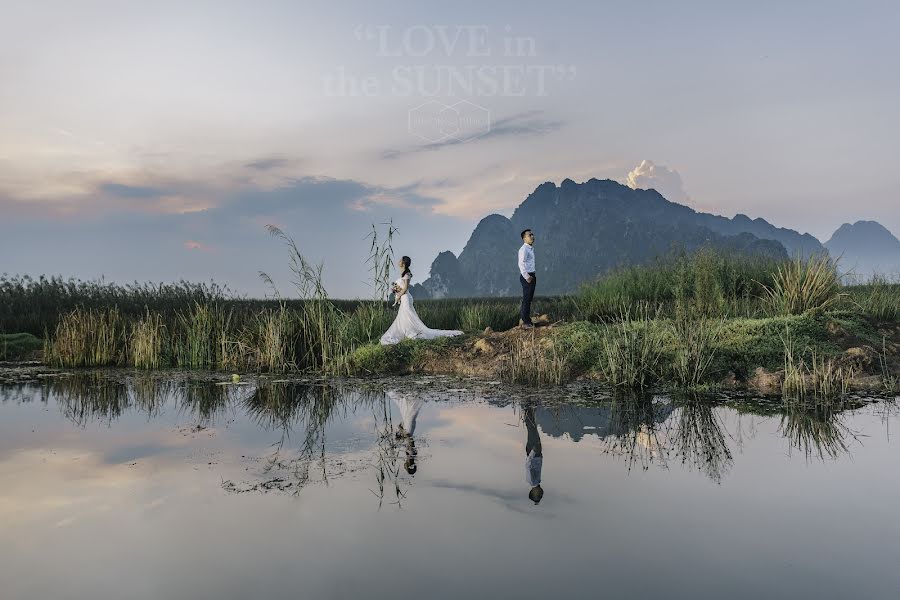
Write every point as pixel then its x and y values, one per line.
pixel 194 245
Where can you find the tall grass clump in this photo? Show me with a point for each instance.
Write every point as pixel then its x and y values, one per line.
pixel 147 342
pixel 714 283
pixel 802 285
pixel 275 343
pixel 535 361
pixel 695 339
pixel 321 325
pixel 879 299
pixel 36 305
pixel 200 336
pixel 818 380
pixel 889 380
pixel 828 379
pixel 480 315
pixel 88 338
pixel 631 349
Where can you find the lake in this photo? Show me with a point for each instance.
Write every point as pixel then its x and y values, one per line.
pixel 122 485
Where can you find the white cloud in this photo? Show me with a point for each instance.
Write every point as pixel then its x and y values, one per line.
pixel 667 182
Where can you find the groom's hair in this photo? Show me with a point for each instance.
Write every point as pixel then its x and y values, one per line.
pixel 524 231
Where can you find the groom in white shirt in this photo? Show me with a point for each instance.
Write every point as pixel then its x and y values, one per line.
pixel 527 277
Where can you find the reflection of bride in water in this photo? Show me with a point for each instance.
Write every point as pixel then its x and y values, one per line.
pixel 409 411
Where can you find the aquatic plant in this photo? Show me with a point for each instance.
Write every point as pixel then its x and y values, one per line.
pixel 89 338
pixel 147 342
pixel 804 284
pixel 535 361
pixel 695 339
pixel 631 349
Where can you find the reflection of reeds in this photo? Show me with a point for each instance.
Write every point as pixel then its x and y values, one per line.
pixel 206 401
pixel 634 426
pixel 816 430
pixel 700 438
pixel 88 397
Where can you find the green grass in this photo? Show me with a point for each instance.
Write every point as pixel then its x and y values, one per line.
pixel 711 283
pixel 19 346
pixel 701 316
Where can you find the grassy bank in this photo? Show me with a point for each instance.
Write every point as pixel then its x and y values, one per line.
pixel 687 322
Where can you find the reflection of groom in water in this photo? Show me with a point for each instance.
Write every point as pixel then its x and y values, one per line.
pixel 534 456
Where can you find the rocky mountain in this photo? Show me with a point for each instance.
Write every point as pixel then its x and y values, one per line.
pixel 865 248
pixel 584 230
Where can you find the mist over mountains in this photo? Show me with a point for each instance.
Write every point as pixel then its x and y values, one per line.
pixel 865 248
pixel 588 229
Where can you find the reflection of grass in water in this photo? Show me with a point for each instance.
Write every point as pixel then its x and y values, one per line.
pixel 207 401
pixel 700 438
pixel 816 430
pixel 306 409
pixel 634 424
pixel 88 397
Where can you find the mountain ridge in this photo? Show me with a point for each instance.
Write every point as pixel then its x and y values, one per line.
pixel 584 230
pixel 865 248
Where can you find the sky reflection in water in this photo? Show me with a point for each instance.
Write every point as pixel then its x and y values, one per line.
pixel 149 488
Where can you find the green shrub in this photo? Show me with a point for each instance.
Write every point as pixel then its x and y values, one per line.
pixel 19 346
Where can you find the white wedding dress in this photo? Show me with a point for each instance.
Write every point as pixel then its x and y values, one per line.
pixel 408 325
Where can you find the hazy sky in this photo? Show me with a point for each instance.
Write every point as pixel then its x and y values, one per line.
pixel 154 140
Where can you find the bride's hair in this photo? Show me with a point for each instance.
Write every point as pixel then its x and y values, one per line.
pixel 407 261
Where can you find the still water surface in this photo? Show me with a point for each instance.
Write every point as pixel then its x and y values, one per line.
pixel 142 487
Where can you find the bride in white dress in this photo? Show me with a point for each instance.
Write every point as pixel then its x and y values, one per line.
pixel 408 325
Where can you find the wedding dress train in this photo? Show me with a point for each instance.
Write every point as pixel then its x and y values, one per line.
pixel 408 325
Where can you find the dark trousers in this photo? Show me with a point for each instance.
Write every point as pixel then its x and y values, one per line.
pixel 527 297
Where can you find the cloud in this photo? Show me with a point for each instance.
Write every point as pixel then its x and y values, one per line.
pixel 266 164
pixel 226 240
pixel 530 123
pixel 195 245
pixel 647 176
pixel 122 190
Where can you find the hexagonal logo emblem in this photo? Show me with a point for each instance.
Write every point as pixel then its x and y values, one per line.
pixel 436 122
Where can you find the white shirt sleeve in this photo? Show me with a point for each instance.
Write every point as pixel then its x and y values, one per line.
pixel 522 268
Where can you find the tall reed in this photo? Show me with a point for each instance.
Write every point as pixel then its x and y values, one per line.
pixel 820 380
pixel 147 342
pixel 200 335
pixel 804 284
pixel 535 361
pixel 89 338
pixel 631 349
pixel 695 341
pixel 323 346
